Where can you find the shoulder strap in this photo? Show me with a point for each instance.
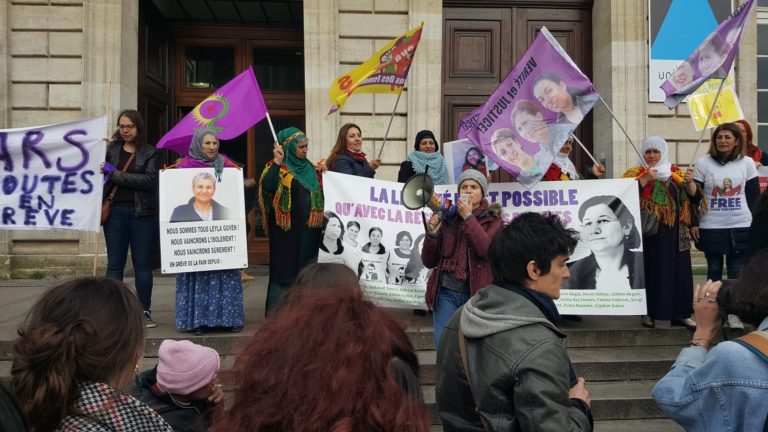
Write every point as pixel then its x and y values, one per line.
pixel 125 167
pixel 757 342
pixel 463 351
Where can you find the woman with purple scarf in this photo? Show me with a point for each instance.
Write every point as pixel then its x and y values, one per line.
pixel 208 300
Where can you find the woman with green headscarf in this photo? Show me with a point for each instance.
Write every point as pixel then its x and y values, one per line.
pixel 291 202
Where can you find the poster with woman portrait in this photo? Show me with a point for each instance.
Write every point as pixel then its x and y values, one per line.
pixel 368 229
pixel 462 155
pixel 202 220
pixel 606 268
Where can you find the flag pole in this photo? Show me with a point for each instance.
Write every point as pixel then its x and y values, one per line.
pixel 272 128
pixel 391 117
pixel 585 150
pixel 98 233
pixel 706 123
pixel 625 132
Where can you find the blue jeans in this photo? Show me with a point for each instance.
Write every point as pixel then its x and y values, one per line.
pixel 446 304
pixel 715 265
pixel 124 229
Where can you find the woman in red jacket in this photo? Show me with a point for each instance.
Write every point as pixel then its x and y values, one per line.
pixel 457 250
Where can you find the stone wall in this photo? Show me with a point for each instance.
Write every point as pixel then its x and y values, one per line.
pixel 340 35
pixel 62 60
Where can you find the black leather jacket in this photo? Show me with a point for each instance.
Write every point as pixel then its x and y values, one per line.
pixel 143 180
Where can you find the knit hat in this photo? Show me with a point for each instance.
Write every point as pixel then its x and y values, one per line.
pixel 184 367
pixel 477 176
pixel 426 134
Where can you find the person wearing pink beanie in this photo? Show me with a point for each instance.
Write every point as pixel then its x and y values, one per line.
pixel 183 387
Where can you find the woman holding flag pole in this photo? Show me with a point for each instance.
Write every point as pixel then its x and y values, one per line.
pixel 291 203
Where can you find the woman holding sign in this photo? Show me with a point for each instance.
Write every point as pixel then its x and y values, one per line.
pixel 667 256
pixel 291 203
pixel 131 168
pixel 208 299
pixel 457 248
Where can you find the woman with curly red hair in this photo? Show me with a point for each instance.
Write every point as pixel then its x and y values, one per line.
pixel 331 362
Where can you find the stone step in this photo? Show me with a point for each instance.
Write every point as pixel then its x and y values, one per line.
pixel 594 364
pixel 626 400
pixel 654 425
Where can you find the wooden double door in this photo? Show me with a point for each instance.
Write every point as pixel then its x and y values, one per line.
pixel 483 40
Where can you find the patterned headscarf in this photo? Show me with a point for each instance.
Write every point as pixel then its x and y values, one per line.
pixel 196 152
pixel 301 168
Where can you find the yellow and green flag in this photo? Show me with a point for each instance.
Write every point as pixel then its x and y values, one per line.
pixel 727 108
pixel 385 72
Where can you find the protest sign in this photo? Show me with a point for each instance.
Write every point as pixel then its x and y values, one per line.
pixel 462 155
pixel 528 117
pixel 192 240
pixel 381 240
pixel 619 291
pixel 51 176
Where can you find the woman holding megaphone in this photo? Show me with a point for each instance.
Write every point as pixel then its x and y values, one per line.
pixel 457 248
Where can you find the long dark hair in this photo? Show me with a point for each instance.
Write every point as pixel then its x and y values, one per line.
pixel 135 118
pixel 88 329
pixel 341 144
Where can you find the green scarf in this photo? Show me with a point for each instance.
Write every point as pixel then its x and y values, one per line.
pixel 302 169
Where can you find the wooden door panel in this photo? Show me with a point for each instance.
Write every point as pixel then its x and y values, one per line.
pixel 454 108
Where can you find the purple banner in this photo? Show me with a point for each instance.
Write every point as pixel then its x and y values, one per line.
pixel 528 117
pixel 230 111
pixel 712 59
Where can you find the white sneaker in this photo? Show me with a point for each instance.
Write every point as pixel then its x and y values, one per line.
pixel 734 322
pixel 148 320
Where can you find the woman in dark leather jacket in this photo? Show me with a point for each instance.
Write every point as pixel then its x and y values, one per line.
pixel 133 219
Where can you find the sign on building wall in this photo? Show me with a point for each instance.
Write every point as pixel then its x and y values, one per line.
pixel 676 28
pixel 50 176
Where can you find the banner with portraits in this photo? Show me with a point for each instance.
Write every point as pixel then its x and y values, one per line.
pixel 370 231
pixel 607 275
pixel 202 220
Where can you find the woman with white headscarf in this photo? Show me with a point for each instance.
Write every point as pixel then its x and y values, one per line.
pixel 666 244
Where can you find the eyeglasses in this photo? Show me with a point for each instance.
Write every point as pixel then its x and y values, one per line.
pixel 603 220
pixel 126 127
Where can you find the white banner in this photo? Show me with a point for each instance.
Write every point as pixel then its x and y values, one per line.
pixel 50 175
pixel 381 239
pixel 192 240
pixel 597 286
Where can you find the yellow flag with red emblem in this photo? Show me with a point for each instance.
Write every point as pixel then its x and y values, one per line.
pixel 385 72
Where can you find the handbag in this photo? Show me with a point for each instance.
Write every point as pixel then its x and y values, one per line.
pixel 106 206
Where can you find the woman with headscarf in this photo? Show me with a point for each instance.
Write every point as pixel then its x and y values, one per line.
pixel 563 169
pixel 291 203
pixel 667 255
pixel 209 300
pixel 426 154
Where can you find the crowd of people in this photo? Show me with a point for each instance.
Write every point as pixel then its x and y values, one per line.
pixel 325 358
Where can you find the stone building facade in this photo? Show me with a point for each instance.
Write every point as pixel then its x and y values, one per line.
pixel 61 60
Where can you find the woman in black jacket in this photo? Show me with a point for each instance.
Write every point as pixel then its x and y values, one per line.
pixel 132 220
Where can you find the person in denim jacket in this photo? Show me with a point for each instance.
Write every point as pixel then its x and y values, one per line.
pixel 721 388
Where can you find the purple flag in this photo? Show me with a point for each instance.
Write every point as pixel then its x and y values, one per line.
pixel 467 123
pixel 712 59
pixel 529 116
pixel 230 111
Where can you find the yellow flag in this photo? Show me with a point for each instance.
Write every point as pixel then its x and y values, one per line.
pixel 385 72
pixel 727 110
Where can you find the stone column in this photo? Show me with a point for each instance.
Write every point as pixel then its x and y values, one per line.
pixel 320 60
pixel 425 77
pixel 620 65
pixel 5 88
pixel 746 70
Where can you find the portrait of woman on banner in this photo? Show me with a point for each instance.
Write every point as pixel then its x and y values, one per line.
pixel 202 206
pixel 399 257
pixel 571 104
pixel 610 231
pixel 374 257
